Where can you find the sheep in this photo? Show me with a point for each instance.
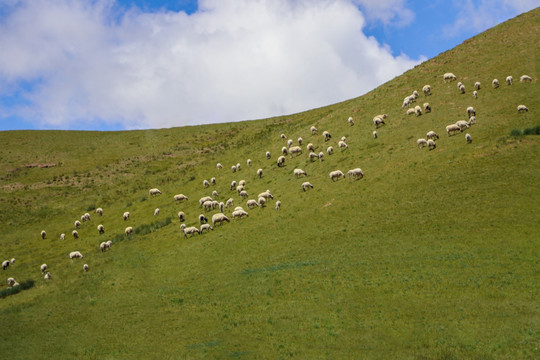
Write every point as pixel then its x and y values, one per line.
pixel 343 138
pixel 99 211
pixel 181 216
pixel 104 246
pixel 427 107
pixel 248 162
pixel 128 231
pixel 411 111
pixel 239 188
pixel 432 135
pixel 83 218
pixel 243 194
pixel 525 78
pixel 242 183
pixel 189 230
pixel 310 147
pixel 215 194
pixel 219 218
pixel 109 244
pixel 449 77
pixel 321 156
pixel 417 110
pixel 300 140
pixel 266 194
pixel 238 167
pixel 203 219
pixel 278 205
pixel 62 236
pixel 205 183
pixel 233 168
pixel 47 276
pixel 77 224
pixel 100 229
pixel 336 174
pixel 468 138
pixel 312 156
pixel 85 267
pixel 208 205
pixel 431 144
pixel 75 255
pixel 75 234
pixel 462 124
pixel 233 185
pixel 475 94
pixel 261 201
pixel 206 227
pixel 477 85
pixel 522 108
pixel 219 166
pixel 350 121
pixel 379 122
pixel 420 143
pixel 11 281
pixel 356 174
pixel 156 212
pixel 126 215
pixel 342 145
pixel 5 264
pixel 268 155
pixel 472 120
pixel 238 208
pixel 260 172
pixel 280 162
pixel 306 185
pixel 86 217
pixel 43 234
pixel 284 151
pixel 313 130
pixel 229 202
pixel 471 111
pixel 453 128
pixel 203 199
pixel 289 143
pixel 295 150
pixel 495 83
pixel 327 135
pixel 459 84
pixel 462 89
pixel 180 197
pixel 239 214
pixel 283 136
pixel 375 134
pixel 299 172
pixel 153 192
pixel 12 261
pixel 509 80
pixel 426 90
pixel 330 150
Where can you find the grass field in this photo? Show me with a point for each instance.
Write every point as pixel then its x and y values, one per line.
pixel 432 255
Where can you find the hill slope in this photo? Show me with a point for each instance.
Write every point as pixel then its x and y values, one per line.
pixel 433 254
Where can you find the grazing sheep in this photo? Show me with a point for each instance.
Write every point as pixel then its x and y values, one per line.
pixel 248 162
pixel 208 205
pixel 411 111
pixel 85 267
pixel 495 83
pixel 432 135
pixel 420 143
pixel 313 156
pixel 427 90
pixel 219 166
pixel 509 80
pixel 128 231
pixel 295 150
pixel 99 211
pixel 330 150
pixel 289 143
pixel 477 85
pixel 260 172
pixel 314 130
pixel 321 156
pixel 154 192
pixel 242 183
pixel 77 224
pixel 522 108
pixel 181 216
pixel 417 110
pixel 266 195
pixel 459 84
pixel 299 172
pixel 213 180
pixel 104 246
pixel 327 135
pixel 180 197
pixel 219 218
pixel 229 202
pixel 475 94
pixel 356 174
pixel 86 217
pixel 379 122
pixel 427 108
pixel 238 208
pixel 300 140
pixel 343 138
pixel 47 276
pixel 284 151
pixel 280 161
pixel 468 138
pixel 471 111
pixel 268 154
pixel 5 264
pixel 43 234
pixel 525 78
pixel 431 144
pixel 126 215
pixel 62 236
pixel 310 147
pixel 189 230
pixel 233 168
pixel 240 213
pixel 205 183
pixel 100 229
pixel 472 120
pixel 283 136
pixel 206 227
pixel 11 281
pixel 238 167
pixel 243 194
pixel 203 219
pixel 203 199
pixel 462 89
pixel 449 77
pixel 306 185
pixel 336 174
pixel 261 201
pixel 75 234
pixel 375 134
pixel 215 194
pixel 239 188
pixel 156 212
pixel 12 261
pixel 233 185
pixel 462 124
pixel 278 205
pixel 75 255
pixel 350 121
pixel 342 145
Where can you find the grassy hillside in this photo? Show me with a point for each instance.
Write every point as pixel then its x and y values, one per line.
pixel 432 255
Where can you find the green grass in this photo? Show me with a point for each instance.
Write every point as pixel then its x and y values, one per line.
pixel 433 255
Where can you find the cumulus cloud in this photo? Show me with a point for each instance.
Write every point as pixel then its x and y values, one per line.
pixel 388 12
pixel 84 62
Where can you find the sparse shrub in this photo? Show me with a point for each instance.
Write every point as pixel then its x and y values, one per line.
pixel 532 131
pixel 516 132
pixel 14 290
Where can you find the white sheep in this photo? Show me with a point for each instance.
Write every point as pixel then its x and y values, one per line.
pixel 47 276
pixel 85 267
pixel 189 230
pixel 310 147
pixel 5 264
pixel 203 199
pixel 330 150
pixel 240 213
pixel 462 89
pixel 342 145
pixel 128 231
pixel 426 90
pixel 99 211
pixel 375 134
pixel 239 188
pixel 229 202
pixel 427 108
pixel 233 168
pixel 468 138
pixel 350 121
pixel 472 120
pixel 43 234
pixel 208 205
pixel 431 144
pixel 283 136
pixel 243 194
pixel 356 174
pixel 238 208
pixel 100 229
pixel 62 236
pixel 344 139
pixel 300 140
pixel 215 194
pixel 471 111
pixel 11 281
pixel 238 167
pixel 260 172
pixel 75 255
pixel 206 227
pixel 104 246
pixel 12 261
pixel 306 185
pixel 205 183
pixel 281 161
pixel 321 156
pixel 453 128
pixel 477 85
pixel 522 108
pixel 336 174
pixel 449 77
pixel 314 130
pixel 156 212
pixel 266 194
pixel 203 219
pixel 43 267
pixel 432 135
pixel 509 80
pixel 417 110
pixel 411 111
pixel 180 197
pixel 462 124
pixel 181 216
pixel 268 154
pixel 221 206
pixel 261 201
pixel 327 135
pixel 153 192
pixel 379 122
pixel 290 142
pixel 525 78
pixel 495 83
pixel 242 183
pixel 475 94
pixel 248 162
pixel 284 151
pixel 278 205
pixel 219 166
pixel 219 218
pixel 313 156
pixel 77 224
pixel 295 150
pixel 75 234
pixel 126 215
pixel 299 172
pixel 86 217
pixel 420 143
pixel 459 84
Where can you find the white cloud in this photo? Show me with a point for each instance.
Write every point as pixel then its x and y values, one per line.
pixel 231 60
pixel 389 12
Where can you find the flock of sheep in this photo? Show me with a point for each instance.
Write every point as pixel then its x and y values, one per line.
pixel 209 203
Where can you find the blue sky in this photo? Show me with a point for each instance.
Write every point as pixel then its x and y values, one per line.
pixel 135 64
